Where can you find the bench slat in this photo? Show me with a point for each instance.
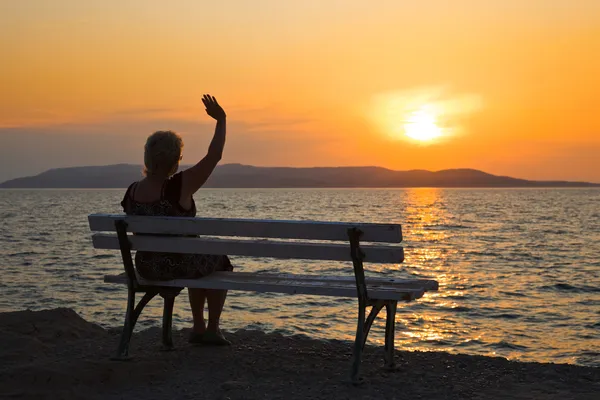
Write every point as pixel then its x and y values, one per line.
pixel 252 248
pixel 233 281
pixel 426 284
pixel 315 230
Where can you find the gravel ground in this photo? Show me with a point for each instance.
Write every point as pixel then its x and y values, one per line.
pixel 55 354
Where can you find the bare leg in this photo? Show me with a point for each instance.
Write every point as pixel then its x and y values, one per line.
pixel 197 298
pixel 216 300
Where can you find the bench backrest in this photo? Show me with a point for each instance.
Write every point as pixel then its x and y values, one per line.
pixel 248 237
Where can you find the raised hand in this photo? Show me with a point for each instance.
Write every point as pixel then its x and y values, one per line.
pixel 213 108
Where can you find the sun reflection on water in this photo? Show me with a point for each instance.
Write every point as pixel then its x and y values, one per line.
pixel 428 255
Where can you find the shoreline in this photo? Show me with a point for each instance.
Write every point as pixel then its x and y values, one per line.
pixel 57 354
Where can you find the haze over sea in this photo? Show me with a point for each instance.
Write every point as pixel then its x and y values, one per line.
pixel 519 269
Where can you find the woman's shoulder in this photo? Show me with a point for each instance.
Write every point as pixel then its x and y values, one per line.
pixel 127 196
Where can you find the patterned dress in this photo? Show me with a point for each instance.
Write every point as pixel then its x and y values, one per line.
pixel 167 266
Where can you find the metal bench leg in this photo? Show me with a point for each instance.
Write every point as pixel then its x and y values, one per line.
pixel 358 344
pixel 167 339
pixel 131 317
pixel 377 306
pixel 362 333
pixel 390 327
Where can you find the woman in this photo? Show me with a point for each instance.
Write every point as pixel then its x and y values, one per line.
pixel 165 192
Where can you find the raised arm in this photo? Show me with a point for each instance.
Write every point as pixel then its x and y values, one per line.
pixel 196 176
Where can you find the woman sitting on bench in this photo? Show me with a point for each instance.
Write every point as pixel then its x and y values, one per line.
pixel 165 192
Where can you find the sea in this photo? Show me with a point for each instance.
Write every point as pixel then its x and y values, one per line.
pixel 519 269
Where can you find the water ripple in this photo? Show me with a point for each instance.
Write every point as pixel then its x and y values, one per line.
pixel 518 269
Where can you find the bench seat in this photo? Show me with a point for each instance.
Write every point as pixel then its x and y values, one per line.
pixel 338 286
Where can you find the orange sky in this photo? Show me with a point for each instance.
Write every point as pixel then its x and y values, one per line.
pixel 514 84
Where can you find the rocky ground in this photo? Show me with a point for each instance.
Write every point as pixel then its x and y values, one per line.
pixel 55 354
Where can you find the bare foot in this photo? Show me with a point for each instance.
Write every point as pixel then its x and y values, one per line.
pixel 199 328
pixel 215 338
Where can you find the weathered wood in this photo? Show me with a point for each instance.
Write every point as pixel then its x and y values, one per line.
pixel 252 248
pixel 232 281
pixel 283 229
pixel 427 284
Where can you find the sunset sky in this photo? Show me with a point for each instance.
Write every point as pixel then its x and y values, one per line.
pixel 509 87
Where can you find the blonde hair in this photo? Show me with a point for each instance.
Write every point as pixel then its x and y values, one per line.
pixel 162 153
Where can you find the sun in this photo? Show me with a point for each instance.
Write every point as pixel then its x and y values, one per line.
pixel 421 116
pixel 421 125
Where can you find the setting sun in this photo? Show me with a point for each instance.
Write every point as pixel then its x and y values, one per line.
pixel 421 125
pixel 425 115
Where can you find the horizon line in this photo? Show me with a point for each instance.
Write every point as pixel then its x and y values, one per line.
pixel 316 166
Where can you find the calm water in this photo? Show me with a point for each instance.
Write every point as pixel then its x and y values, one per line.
pixel 519 270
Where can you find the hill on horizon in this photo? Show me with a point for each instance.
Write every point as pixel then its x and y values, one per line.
pixel 247 176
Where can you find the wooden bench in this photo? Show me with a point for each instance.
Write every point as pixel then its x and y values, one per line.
pixel 313 240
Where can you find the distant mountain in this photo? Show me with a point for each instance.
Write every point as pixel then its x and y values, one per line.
pixel 246 176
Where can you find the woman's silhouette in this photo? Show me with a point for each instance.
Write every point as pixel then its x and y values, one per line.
pixel 165 192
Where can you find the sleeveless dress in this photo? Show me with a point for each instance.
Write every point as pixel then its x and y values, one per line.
pixel 168 266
